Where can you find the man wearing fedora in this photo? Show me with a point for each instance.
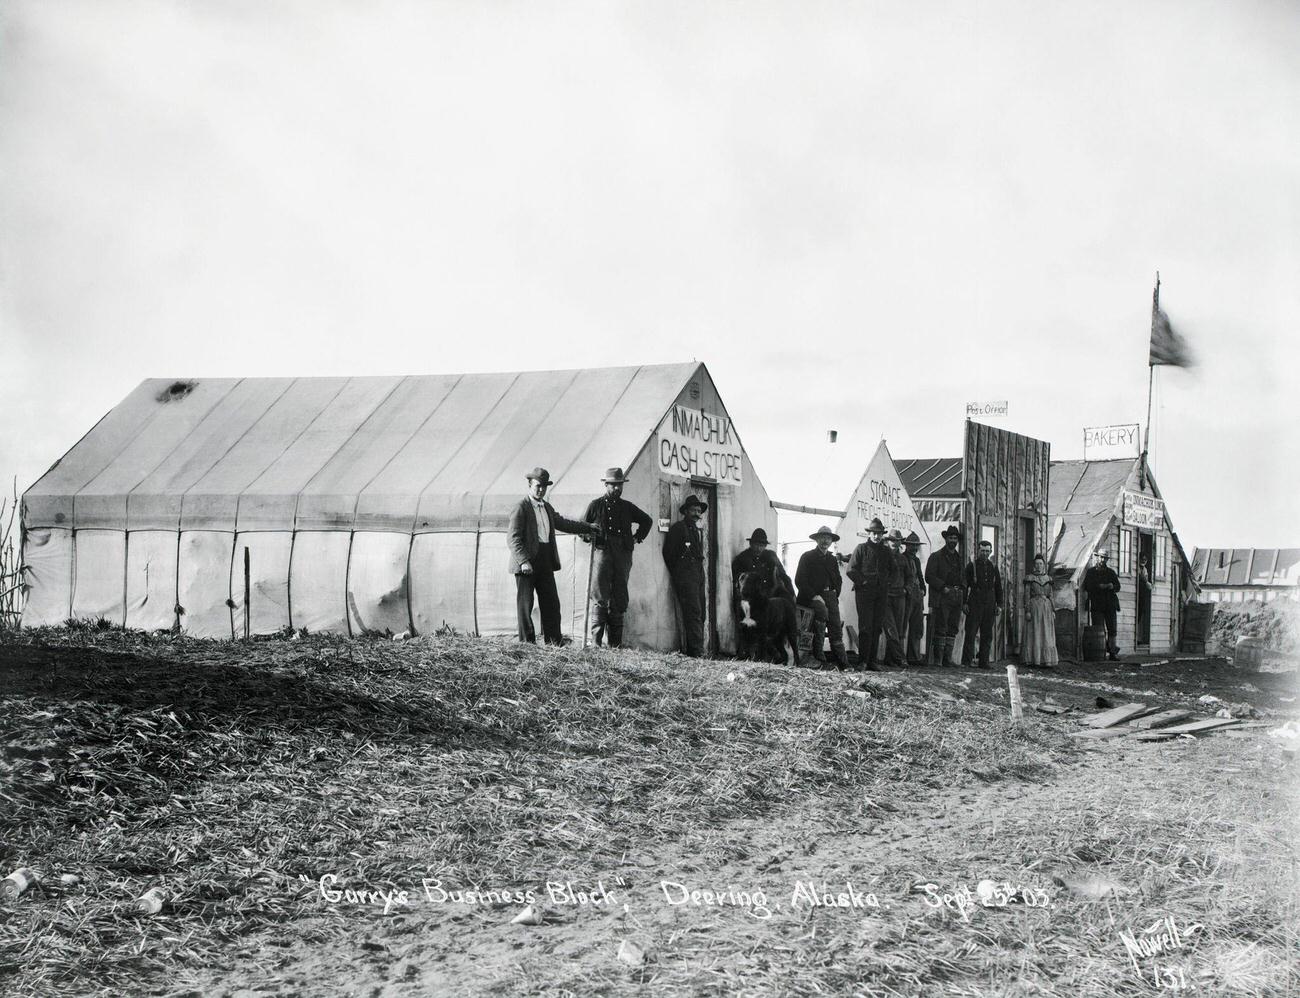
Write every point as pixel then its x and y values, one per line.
pixel 914 585
pixel 947 581
pixel 1101 585
pixel 623 526
pixel 684 556
pixel 535 557
pixel 983 604
pixel 742 565
pixel 818 580
pixel 896 604
pixel 872 569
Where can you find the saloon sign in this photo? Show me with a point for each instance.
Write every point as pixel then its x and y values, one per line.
pixel 697 444
pixel 1143 511
pixel 1102 443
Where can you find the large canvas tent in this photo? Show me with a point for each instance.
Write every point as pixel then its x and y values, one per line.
pixel 373 503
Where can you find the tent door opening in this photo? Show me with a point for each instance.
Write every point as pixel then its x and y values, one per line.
pixel 1143 589
pixel 709 525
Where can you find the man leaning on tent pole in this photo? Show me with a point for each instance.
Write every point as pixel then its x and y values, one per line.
pixel 611 556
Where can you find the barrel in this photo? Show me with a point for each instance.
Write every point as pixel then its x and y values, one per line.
pixel 1094 644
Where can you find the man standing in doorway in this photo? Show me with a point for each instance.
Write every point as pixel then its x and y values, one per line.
pixel 818 580
pixel 947 582
pixel 535 557
pixel 611 555
pixel 872 569
pixel 1102 586
pixel 742 565
pixel 983 601
pixel 684 555
pixel 915 586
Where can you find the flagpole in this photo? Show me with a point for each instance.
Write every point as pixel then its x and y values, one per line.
pixel 1151 375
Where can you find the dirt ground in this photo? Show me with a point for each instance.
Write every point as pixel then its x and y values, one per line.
pixel 1191 837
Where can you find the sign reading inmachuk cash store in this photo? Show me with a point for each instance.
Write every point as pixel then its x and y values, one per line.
pixel 1105 443
pixel 1143 511
pixel 694 443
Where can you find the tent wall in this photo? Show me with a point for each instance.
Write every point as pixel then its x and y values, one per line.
pixel 365 504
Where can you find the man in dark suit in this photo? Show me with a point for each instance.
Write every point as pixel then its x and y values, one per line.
pixel 819 583
pixel 684 556
pixel 611 555
pixel 983 601
pixel 947 582
pixel 872 569
pixel 535 557
pixel 741 565
pixel 1102 586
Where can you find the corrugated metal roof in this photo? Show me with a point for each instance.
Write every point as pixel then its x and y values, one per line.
pixel 931 476
pixel 1246 566
pixel 272 453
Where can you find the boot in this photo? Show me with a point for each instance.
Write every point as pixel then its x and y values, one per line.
pixel 597 633
pixel 818 640
pixel 838 655
pixel 616 634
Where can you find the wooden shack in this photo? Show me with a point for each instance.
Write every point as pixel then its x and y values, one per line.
pixel 1116 506
pixel 996 491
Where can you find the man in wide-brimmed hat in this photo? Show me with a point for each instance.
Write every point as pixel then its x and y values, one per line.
pixel 535 557
pixel 944 576
pixel 915 586
pixel 1101 585
pixel 871 568
pixel 895 627
pixel 623 525
pixel 741 565
pixel 818 580
pixel 684 555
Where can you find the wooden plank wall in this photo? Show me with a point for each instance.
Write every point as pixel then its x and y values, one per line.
pixel 1005 473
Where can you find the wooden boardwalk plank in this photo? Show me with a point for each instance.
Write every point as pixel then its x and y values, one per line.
pixel 1117 715
pixel 1161 719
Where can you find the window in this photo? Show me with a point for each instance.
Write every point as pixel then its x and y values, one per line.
pixel 988 532
pixel 1162 556
pixel 1125 566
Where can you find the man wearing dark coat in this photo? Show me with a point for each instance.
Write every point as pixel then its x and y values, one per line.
pixel 744 564
pixel 535 557
pixel 896 604
pixel 947 582
pixel 983 601
pixel 915 587
pixel 623 525
pixel 871 568
pixel 1101 584
pixel 817 578
pixel 684 556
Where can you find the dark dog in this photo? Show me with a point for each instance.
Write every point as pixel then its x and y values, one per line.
pixel 768 612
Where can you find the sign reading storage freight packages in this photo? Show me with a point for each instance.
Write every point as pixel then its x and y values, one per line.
pixel 1143 511
pixel 696 443
pixel 1102 443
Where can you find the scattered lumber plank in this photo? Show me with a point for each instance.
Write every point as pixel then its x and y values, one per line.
pixel 1051 708
pixel 1160 720
pixel 1117 715
pixel 1096 733
pixel 1191 728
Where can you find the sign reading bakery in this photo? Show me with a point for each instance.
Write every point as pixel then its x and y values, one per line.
pixel 694 443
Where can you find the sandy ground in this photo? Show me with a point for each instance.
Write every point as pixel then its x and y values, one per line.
pixel 1231 789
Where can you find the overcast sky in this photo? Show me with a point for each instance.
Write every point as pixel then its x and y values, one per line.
pixel 860 216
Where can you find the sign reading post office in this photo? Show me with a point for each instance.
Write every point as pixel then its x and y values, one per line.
pixel 1143 511
pixel 697 444
pixel 1105 443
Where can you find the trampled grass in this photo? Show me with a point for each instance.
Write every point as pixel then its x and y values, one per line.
pixel 235 775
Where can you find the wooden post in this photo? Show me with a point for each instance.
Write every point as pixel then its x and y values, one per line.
pixel 247 595
pixel 1013 684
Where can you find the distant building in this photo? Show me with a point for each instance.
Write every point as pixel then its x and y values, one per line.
pixel 1231 575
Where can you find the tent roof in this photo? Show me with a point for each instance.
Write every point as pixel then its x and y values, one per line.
pixel 929 477
pixel 1082 499
pixel 407 453
pixel 1246 566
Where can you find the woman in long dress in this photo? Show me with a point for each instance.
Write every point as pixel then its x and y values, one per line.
pixel 1039 646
